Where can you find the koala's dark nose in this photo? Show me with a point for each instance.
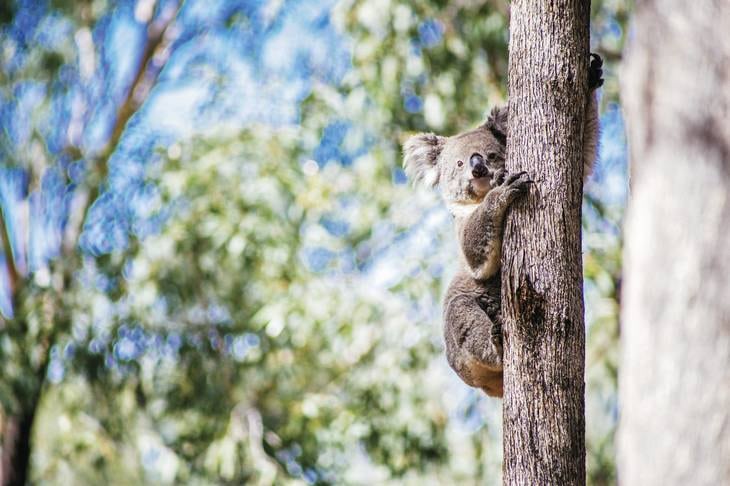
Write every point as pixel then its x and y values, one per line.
pixel 478 169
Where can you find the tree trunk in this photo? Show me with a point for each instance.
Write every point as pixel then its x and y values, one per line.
pixel 16 437
pixel 674 380
pixel 542 277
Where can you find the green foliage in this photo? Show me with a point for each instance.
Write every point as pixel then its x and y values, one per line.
pixel 318 359
pixel 451 56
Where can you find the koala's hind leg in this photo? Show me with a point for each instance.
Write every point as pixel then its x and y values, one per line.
pixel 473 339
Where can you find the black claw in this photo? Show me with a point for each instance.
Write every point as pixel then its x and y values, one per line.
pixel 595 73
pixel 596 60
pixel 513 177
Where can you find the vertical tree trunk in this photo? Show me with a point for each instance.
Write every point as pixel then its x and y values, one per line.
pixel 16 437
pixel 17 427
pixel 675 368
pixel 542 278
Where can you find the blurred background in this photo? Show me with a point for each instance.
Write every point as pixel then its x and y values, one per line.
pixel 213 270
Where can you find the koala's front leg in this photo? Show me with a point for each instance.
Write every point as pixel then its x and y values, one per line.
pixel 473 338
pixel 481 235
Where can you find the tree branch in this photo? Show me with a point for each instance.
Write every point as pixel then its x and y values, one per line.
pixel 161 33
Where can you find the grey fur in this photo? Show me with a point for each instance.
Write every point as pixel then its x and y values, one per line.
pixel 473 331
pixel 472 305
pixel 591 135
pixel 472 316
pixel 420 154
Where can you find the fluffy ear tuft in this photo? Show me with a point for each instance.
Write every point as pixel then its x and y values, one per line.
pixel 497 123
pixel 420 157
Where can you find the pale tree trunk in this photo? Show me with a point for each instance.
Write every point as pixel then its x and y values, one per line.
pixel 542 278
pixel 675 366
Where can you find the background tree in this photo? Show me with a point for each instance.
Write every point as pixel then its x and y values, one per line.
pixel 544 421
pixel 36 305
pixel 675 380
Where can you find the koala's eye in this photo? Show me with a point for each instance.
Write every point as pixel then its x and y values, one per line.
pixel 459 163
pixel 491 156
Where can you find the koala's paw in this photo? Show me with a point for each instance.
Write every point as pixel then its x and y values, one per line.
pixel 595 72
pixel 515 185
pixel 496 338
pixel 490 353
pixel 498 177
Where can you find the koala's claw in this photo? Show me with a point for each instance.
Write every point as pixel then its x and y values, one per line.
pixel 514 177
pixel 512 186
pixel 595 72
pixel 518 182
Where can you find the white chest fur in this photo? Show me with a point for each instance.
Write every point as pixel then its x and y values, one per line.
pixel 462 210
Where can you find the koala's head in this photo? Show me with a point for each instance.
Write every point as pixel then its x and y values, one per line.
pixel 461 165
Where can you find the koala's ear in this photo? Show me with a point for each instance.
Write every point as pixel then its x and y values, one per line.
pixel 497 123
pixel 420 157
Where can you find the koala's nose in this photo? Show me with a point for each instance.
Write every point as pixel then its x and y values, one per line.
pixel 478 169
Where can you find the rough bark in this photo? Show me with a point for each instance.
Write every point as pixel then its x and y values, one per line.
pixel 542 293
pixel 675 366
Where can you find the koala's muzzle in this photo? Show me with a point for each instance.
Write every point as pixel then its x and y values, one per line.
pixel 478 168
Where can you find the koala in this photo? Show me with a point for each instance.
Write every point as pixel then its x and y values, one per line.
pixel 468 169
